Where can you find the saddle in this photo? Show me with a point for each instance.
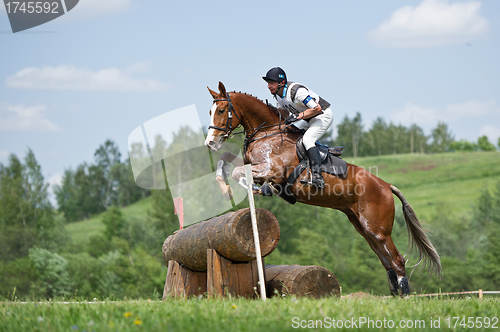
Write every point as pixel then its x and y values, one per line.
pixel 324 151
pixel 330 164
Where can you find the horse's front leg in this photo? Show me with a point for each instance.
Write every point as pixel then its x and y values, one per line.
pixel 261 173
pixel 222 172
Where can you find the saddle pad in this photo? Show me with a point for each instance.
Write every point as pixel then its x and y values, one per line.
pixel 329 163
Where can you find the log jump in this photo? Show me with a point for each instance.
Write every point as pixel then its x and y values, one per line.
pixel 217 257
pixel 230 235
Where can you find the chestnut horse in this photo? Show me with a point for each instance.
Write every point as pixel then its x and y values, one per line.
pixel 367 200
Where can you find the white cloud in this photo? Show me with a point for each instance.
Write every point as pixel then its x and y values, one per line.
pixel 67 77
pixel 431 23
pixel 25 118
pixel 425 116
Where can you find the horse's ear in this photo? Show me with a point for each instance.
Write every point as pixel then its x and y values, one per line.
pixel 214 94
pixel 222 90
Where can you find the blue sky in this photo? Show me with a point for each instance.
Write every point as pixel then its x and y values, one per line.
pixel 106 67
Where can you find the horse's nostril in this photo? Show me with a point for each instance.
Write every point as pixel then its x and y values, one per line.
pixel 211 145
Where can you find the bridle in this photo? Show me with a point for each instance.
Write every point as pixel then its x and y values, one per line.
pixel 229 123
pixel 249 138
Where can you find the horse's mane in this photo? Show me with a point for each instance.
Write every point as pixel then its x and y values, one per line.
pixel 273 108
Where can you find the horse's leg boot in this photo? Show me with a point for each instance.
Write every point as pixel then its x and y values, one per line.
pixel 404 286
pixel 315 160
pixel 393 282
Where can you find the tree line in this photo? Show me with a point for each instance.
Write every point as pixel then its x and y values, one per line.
pixel 93 188
pixel 387 138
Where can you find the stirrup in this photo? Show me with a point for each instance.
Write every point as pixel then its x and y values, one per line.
pixel 314 180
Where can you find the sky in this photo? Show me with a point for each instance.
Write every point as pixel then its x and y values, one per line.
pixel 106 67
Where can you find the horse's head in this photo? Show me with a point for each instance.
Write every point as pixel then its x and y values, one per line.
pixel 223 119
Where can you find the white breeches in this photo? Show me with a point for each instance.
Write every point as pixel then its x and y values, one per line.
pixel 315 128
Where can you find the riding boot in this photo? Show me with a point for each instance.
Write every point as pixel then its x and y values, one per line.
pixel 315 160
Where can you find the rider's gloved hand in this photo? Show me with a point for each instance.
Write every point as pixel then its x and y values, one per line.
pixel 292 118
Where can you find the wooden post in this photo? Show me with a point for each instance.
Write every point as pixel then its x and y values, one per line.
pixel 262 280
pixel 183 282
pixel 480 294
pixel 228 278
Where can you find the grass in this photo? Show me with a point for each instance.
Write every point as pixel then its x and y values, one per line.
pixel 277 314
pixel 81 231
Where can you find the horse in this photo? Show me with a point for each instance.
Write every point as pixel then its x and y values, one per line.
pixel 366 200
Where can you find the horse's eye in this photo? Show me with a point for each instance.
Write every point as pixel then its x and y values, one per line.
pixel 221 111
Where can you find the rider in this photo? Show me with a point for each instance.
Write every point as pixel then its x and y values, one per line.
pixel 307 110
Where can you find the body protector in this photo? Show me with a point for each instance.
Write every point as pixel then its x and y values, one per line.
pixel 297 98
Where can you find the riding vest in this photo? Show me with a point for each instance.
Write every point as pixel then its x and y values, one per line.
pixel 297 98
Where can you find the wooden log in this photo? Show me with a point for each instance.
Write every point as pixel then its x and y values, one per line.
pixel 313 281
pixel 183 282
pixel 228 278
pixel 230 235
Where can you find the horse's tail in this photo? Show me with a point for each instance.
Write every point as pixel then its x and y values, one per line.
pixel 417 237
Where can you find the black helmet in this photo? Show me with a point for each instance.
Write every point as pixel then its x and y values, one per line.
pixel 275 74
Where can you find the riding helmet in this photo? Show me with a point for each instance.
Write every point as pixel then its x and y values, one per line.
pixel 275 74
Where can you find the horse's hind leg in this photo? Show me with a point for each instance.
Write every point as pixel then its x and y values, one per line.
pixel 380 241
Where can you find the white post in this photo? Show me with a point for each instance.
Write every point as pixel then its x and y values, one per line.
pixel 262 282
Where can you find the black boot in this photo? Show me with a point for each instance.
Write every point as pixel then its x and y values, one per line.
pixel 315 160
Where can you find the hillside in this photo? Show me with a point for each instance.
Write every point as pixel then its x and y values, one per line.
pixel 429 182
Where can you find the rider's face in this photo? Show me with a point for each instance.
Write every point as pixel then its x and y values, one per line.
pixel 273 86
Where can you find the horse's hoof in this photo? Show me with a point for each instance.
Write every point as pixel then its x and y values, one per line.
pixel 266 189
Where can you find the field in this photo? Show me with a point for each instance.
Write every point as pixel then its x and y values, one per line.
pixel 277 314
pixel 81 231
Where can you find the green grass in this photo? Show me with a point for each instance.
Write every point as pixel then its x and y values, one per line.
pixel 81 231
pixel 251 315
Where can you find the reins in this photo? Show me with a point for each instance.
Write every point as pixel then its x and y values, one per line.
pixel 229 123
pixel 249 138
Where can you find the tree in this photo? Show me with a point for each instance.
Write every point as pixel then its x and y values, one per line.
pixel 398 139
pixel 102 174
pixel 26 216
pixel 92 189
pixel 376 138
pixel 114 222
pixel 463 146
pixel 53 270
pixel 487 222
pixel 350 135
pixel 78 196
pixel 484 144
pixel 441 138
pixel 419 140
